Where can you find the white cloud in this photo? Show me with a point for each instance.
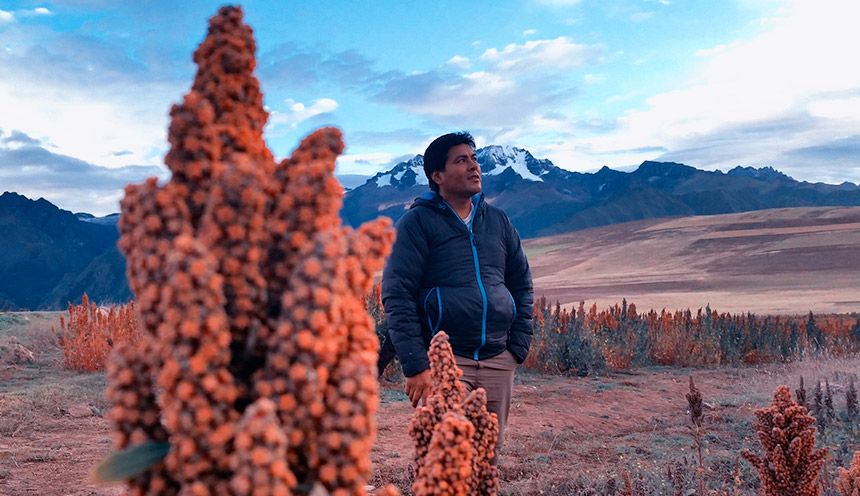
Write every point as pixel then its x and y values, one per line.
pixel 593 78
pixel 118 106
pixel 30 169
pixel 364 163
pixel 798 69
pixel 625 97
pixel 92 126
pixel 298 112
pixel 10 17
pixel 559 53
pixel 529 32
pixel 836 108
pixel 510 86
pixel 641 16
pixel 707 52
pixel 459 62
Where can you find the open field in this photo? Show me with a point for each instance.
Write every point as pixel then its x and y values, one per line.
pixel 780 261
pixel 564 432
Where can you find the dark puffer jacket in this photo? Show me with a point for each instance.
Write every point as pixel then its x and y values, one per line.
pixel 474 285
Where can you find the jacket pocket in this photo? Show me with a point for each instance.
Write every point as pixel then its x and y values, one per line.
pixel 502 309
pixel 457 311
pixel 433 309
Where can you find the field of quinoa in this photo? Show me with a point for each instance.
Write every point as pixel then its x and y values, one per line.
pixel 567 434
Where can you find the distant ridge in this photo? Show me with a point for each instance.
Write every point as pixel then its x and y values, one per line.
pixel 542 199
pixel 49 256
pixel 760 173
pixel 107 220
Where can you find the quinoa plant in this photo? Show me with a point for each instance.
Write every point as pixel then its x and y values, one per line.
pixel 258 371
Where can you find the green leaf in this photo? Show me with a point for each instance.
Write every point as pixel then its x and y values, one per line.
pixel 130 462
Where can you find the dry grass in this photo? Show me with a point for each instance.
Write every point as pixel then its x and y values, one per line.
pixel 30 329
pixel 29 391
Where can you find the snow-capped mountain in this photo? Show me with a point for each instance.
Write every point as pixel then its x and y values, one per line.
pixel 494 160
pixel 497 160
pixel 543 199
pixel 403 175
pixel 107 220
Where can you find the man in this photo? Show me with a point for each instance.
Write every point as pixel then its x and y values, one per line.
pixel 458 265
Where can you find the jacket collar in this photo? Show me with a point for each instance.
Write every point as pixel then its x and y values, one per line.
pixel 433 199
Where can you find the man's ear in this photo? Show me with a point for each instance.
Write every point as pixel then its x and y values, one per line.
pixel 435 175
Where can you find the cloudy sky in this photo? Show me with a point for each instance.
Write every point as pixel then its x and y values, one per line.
pixel 86 85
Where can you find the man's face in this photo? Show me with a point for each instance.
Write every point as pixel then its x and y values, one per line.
pixel 462 175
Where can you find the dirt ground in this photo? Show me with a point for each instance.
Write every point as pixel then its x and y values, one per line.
pixel 564 433
pixel 569 433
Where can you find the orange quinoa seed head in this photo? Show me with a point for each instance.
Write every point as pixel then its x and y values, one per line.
pixel 243 441
pixel 230 249
pixel 185 390
pixel 305 339
pixel 328 473
pixel 260 456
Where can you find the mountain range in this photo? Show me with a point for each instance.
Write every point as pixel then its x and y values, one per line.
pixel 49 256
pixel 542 199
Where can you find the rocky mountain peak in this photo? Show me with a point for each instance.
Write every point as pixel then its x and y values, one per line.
pixel 496 160
pixel 763 173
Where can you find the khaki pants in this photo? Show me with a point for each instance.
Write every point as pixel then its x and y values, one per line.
pixel 496 376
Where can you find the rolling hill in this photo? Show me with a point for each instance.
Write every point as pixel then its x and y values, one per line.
pixel 780 261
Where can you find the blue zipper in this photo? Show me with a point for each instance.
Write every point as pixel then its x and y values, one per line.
pixel 483 295
pixel 480 286
pixel 477 269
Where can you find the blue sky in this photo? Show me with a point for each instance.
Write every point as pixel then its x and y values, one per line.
pixel 86 85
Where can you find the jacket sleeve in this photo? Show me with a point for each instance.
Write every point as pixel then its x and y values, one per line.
pixel 401 280
pixel 518 279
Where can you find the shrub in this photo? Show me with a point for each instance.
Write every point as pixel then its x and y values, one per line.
pixel 91 332
pixel 791 464
pixel 581 341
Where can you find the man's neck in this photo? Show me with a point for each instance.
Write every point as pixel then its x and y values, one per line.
pixel 463 206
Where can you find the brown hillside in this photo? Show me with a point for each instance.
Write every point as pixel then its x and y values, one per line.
pixel 779 261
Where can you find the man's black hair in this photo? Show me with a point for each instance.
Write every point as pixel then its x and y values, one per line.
pixel 437 153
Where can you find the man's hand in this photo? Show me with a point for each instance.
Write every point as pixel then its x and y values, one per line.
pixel 418 386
